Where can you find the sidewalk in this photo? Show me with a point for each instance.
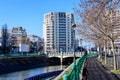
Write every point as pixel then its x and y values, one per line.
pixel 96 71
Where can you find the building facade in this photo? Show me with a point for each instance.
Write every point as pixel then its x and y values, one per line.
pixel 116 21
pixel 58 32
pixel 19 36
pixel 36 42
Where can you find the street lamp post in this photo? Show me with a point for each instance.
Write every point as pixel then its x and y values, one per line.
pixel 81 44
pixel 73 26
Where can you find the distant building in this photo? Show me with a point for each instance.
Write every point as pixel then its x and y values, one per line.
pixel 58 32
pixel 36 42
pixel 77 41
pixel 19 36
pixel 33 38
pixel 116 20
pixel 1 45
pixel 0 32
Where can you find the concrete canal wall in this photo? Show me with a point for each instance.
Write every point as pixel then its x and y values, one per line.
pixel 12 64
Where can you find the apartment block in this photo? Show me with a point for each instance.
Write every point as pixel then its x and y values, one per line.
pixel 58 32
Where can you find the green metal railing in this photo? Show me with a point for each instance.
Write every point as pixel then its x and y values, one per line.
pixel 91 54
pixel 76 68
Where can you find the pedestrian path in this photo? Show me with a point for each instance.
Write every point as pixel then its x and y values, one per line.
pixel 96 71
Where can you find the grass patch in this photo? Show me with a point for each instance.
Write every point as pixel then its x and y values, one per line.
pixel 115 71
pixel 101 61
pixel 66 72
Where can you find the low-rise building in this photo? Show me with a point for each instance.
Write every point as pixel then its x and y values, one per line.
pixel 19 36
pixel 36 43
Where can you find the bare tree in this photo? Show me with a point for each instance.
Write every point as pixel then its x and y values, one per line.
pixel 99 21
pixel 5 39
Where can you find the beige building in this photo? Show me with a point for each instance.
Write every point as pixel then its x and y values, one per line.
pixel 19 36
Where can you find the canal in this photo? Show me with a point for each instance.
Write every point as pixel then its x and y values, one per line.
pixel 21 75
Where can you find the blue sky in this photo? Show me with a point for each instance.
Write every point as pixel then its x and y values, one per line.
pixel 29 13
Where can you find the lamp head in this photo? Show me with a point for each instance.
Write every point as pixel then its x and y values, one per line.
pixel 81 39
pixel 73 25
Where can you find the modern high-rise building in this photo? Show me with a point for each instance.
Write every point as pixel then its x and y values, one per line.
pixel 58 32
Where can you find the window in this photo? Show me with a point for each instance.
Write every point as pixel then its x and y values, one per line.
pixel 62 15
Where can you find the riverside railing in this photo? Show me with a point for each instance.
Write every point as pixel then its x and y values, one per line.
pixel 31 54
pixel 76 69
pixel 19 54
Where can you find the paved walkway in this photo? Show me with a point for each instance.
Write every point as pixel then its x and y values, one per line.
pixel 96 71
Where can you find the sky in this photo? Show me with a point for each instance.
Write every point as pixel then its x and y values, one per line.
pixel 29 13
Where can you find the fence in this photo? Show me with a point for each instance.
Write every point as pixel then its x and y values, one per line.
pixel 77 68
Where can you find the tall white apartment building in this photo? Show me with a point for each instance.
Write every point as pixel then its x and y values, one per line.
pixel 58 32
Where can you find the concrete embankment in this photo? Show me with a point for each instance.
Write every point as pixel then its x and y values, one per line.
pixel 12 64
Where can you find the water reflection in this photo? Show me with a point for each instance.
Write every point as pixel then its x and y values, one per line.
pixel 21 75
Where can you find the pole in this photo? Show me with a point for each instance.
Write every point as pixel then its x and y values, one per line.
pixel 81 45
pixel 74 56
pixel 73 26
pixel 61 60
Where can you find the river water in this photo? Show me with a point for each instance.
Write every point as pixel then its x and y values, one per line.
pixel 21 75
